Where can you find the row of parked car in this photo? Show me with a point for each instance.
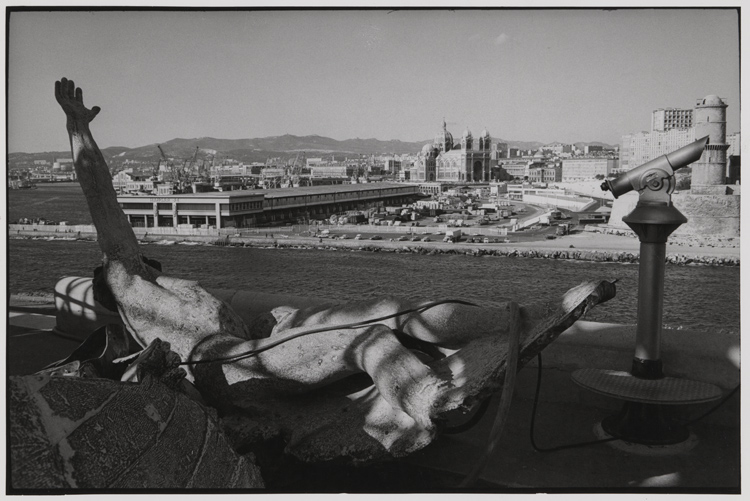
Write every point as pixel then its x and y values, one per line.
pixel 425 238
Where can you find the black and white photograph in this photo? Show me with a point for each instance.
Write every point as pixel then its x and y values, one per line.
pixel 409 249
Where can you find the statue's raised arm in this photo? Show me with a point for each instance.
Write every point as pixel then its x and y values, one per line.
pixel 141 294
pixel 114 233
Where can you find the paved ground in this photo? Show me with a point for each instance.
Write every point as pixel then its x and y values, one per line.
pixel 712 466
pixel 604 242
pixel 583 240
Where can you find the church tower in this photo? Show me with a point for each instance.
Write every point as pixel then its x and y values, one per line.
pixel 484 141
pixel 467 140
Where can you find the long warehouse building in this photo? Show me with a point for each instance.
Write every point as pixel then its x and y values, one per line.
pixel 249 208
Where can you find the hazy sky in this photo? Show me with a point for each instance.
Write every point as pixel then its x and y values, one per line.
pixel 533 75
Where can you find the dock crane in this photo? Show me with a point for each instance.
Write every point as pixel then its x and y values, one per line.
pixel 270 177
pixel 294 171
pixel 192 160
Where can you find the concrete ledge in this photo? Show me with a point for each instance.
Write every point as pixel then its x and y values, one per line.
pixel 695 355
pixel 713 358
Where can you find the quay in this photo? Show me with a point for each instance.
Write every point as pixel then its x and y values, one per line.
pixel 588 245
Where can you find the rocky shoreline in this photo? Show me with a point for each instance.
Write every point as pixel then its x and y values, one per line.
pixel 572 254
pixel 533 250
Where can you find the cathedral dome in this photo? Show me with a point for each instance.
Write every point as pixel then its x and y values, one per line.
pixel 444 137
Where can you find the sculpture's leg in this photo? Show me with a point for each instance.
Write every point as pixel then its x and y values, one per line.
pixel 310 362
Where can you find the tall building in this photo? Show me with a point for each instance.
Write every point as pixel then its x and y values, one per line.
pixel 446 161
pixel 733 140
pixel 665 119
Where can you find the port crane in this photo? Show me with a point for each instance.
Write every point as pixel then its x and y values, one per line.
pixel 190 166
pixel 179 175
pixel 270 175
pixel 293 175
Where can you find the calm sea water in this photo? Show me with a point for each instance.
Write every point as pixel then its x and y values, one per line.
pixel 59 202
pixel 699 297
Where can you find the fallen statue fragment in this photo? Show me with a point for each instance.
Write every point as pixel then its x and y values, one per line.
pixel 97 433
pixel 361 380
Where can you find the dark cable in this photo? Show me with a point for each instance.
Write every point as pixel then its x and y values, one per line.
pixel 353 325
pixel 501 417
pixel 604 440
pixel 533 419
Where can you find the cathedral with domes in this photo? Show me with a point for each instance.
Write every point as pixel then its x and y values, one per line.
pixel 446 161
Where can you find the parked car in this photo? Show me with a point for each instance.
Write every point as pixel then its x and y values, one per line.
pixel 486 240
pixel 344 237
pixel 427 239
pixel 415 239
pixel 402 238
pixel 358 237
pixel 376 237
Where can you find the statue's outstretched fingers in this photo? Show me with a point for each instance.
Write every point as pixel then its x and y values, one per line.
pixel 61 87
pixel 70 89
pixel 79 95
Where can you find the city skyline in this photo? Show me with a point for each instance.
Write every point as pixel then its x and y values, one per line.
pixel 525 75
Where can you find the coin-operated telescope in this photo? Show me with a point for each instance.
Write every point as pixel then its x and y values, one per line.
pixel 646 390
pixel 655 178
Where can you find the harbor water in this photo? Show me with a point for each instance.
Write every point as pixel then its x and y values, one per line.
pixel 696 297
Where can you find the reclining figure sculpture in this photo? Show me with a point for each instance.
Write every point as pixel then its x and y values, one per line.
pixel 456 354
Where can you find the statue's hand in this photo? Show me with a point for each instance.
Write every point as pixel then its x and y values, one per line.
pixel 71 101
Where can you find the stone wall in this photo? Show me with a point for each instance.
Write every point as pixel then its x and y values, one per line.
pixel 708 215
pixel 714 215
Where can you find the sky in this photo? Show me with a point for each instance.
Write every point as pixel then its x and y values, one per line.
pixel 565 75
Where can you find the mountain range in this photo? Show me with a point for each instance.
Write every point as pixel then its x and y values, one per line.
pixel 260 149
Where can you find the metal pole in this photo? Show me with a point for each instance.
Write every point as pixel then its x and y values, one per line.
pixel 650 301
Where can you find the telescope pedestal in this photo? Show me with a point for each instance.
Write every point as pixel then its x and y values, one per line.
pixel 646 416
pixel 650 424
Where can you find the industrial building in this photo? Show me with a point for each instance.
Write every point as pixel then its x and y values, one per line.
pixel 249 208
